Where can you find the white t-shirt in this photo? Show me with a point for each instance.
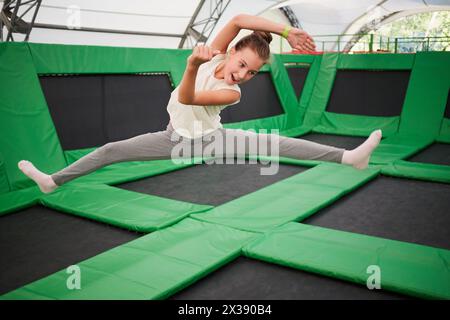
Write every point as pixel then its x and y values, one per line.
pixel 196 121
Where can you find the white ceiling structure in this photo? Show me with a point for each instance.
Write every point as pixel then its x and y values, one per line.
pixel 135 22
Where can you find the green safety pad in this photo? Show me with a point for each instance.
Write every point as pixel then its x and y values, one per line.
pixel 406 268
pixel 27 130
pixel 154 266
pixel 266 160
pixel 322 90
pixel 19 199
pixel 444 134
pixel 346 124
pixel 356 125
pixel 416 170
pixel 288 100
pixel 295 132
pixel 126 209
pixel 82 59
pixel 314 63
pixel 376 61
pixel 4 183
pixel 291 199
pixel 398 147
pixel 427 95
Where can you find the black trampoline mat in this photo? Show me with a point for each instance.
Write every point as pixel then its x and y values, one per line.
pixel 250 279
pixel 437 153
pixel 211 184
pixel 91 110
pixel 259 99
pixel 40 241
pixel 392 208
pixel 298 76
pixel 369 92
pixel 346 142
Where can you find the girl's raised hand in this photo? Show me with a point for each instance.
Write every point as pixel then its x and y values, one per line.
pixel 201 54
pixel 300 40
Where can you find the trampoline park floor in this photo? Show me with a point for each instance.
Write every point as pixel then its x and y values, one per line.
pixel 385 207
pixel 85 109
pixel 39 241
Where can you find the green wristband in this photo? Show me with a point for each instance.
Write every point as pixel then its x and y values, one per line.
pixel 285 32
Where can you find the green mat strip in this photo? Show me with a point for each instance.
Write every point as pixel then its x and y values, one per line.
pixel 322 90
pixel 122 208
pixel 19 199
pixel 406 268
pixel 27 130
pixel 397 147
pixel 4 182
pixel 154 266
pixel 416 170
pixel 427 95
pixel 82 59
pixel 292 199
pixel 444 134
pixel 355 125
pixel 388 61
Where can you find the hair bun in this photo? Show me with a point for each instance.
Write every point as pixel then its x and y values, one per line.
pixel 264 35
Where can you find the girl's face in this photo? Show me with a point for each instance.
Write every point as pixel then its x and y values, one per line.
pixel 241 66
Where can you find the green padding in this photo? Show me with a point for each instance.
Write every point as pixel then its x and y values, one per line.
pixel 292 199
pixel 122 208
pixel 308 87
pixel 270 159
pixel 19 199
pixel 376 61
pixel 355 125
pixel 299 58
pixel 57 58
pixel 322 90
pixel 27 130
pixel 444 135
pixel 4 183
pixel 152 267
pixel 295 132
pixel 277 122
pixel 334 123
pixel 288 100
pixel 398 147
pixel 405 267
pixel 427 94
pixel 314 62
pixel 416 170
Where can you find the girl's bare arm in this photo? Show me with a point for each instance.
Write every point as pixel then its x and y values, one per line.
pixel 298 39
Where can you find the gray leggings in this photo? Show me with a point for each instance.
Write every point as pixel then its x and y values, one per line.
pixel 158 145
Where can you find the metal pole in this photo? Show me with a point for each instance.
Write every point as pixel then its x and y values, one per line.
pixel 141 33
pixel 34 18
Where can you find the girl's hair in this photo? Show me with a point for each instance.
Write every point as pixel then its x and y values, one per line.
pixel 258 41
